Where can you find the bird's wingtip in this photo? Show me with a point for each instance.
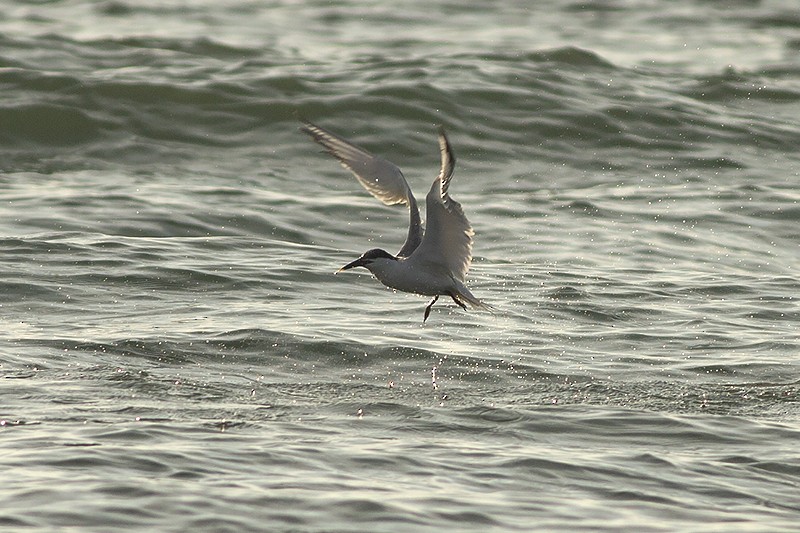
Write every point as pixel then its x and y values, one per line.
pixel 305 125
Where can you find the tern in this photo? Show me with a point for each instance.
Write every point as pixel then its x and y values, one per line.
pixel 433 261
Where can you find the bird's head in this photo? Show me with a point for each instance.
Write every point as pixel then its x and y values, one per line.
pixel 368 258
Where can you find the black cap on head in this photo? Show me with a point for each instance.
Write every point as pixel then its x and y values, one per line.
pixel 368 257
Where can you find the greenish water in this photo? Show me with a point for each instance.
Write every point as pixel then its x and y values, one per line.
pixel 176 353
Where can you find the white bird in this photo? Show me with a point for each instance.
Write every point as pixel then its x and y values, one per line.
pixel 433 261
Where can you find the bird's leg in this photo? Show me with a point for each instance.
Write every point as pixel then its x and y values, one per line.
pixel 428 309
pixel 459 302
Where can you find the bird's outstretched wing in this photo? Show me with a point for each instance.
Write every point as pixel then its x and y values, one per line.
pixel 448 235
pixel 382 178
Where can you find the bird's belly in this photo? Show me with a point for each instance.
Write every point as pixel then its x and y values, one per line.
pixel 419 282
pixel 428 289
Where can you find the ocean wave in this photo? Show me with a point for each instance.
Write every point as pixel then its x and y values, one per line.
pixel 546 103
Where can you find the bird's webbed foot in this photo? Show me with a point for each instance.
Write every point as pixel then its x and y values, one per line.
pixel 428 309
pixel 461 304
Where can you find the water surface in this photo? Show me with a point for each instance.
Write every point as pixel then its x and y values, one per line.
pixel 177 354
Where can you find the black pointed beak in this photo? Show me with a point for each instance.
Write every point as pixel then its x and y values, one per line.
pixel 357 263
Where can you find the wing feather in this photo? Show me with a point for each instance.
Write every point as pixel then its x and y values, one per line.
pixel 381 178
pixel 447 242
